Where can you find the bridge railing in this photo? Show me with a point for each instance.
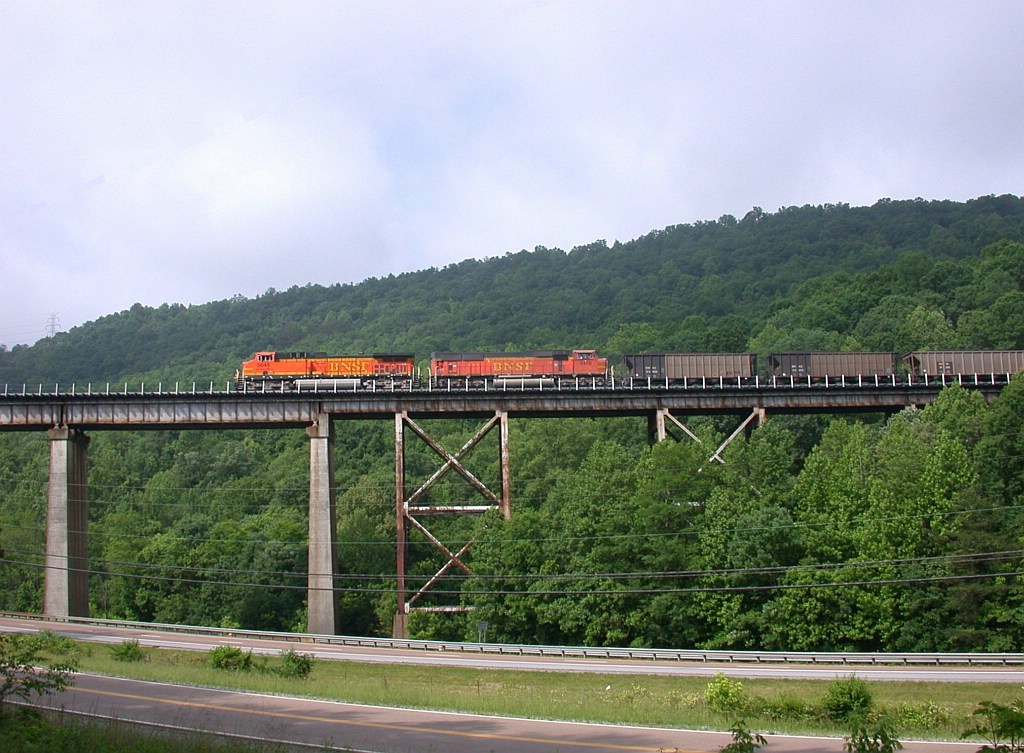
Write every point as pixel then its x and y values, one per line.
pixel 39 389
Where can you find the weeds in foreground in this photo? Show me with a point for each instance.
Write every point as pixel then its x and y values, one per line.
pixel 27 730
pixel 871 737
pixel 744 740
pixel 1001 725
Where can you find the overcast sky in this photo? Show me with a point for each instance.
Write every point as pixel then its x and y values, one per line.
pixel 185 152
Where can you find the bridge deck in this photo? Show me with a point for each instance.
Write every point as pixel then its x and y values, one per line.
pixel 33 410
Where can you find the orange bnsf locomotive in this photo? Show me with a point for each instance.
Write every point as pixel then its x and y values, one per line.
pixel 299 371
pixel 533 368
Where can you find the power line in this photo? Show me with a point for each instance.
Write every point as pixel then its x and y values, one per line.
pixel 554 592
pixel 952 559
pixel 858 522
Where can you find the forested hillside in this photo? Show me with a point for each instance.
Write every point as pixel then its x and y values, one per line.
pixel 874 534
pixel 704 286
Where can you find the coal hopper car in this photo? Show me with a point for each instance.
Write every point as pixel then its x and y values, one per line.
pixel 961 362
pixel 825 366
pixel 685 369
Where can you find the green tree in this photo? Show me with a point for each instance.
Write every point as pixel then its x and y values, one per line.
pixel 925 328
pixel 25 672
pixel 1000 452
pixel 745 533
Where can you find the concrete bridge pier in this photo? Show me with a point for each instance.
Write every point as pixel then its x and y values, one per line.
pixel 66 588
pixel 322 605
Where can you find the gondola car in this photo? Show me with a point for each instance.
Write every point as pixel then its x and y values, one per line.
pixel 275 370
pixel 522 370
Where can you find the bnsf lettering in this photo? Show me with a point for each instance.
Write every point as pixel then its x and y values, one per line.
pixel 512 366
pixel 350 367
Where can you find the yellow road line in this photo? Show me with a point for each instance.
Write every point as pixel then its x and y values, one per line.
pixel 378 725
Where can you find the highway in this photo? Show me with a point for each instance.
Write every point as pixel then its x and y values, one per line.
pixel 331 725
pixel 328 725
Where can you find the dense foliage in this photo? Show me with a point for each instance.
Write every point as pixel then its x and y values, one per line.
pixel 899 533
pixel 704 286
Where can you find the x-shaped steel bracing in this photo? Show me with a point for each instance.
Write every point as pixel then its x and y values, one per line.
pixel 407 508
pixel 660 433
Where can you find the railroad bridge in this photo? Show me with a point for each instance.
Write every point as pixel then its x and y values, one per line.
pixel 69 416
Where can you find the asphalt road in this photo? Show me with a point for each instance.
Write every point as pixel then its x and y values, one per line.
pixel 329 725
pixel 326 725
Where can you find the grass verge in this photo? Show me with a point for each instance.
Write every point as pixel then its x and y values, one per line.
pixel 938 711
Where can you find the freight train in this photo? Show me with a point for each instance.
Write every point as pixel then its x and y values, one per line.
pixel 576 369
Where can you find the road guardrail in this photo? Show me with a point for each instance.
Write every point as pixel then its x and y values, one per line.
pixel 583 652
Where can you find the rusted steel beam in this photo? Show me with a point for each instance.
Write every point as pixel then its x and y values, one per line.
pixel 406 508
pixel 757 413
pixel 452 461
pixel 399 627
pixel 454 559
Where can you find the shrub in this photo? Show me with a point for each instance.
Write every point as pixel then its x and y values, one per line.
pixel 230 657
pixel 128 650
pixel 848 698
pixel 51 643
pixel 724 695
pixel 295 664
pixel 925 716
pixel 783 708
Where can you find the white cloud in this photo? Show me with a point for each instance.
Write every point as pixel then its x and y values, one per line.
pixel 163 151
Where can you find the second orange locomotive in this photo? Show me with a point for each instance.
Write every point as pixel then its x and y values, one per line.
pixel 531 368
